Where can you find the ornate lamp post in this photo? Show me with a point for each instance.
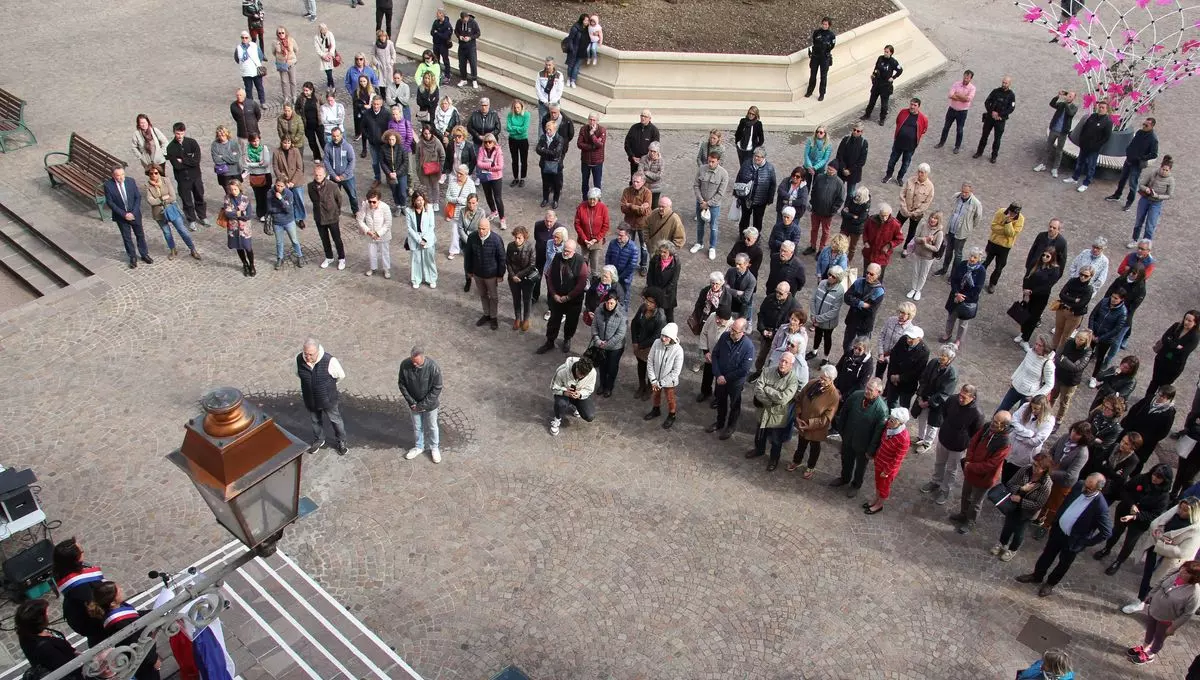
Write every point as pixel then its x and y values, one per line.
pixel 247 469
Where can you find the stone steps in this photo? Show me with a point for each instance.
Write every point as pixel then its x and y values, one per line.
pixel 32 260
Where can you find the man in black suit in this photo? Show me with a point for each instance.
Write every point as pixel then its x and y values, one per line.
pixel 125 201
pixel 1082 522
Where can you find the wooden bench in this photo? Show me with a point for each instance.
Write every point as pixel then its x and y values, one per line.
pixel 86 169
pixel 12 120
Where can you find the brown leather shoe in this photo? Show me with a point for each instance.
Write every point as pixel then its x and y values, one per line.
pixel 525 325
pixel 516 324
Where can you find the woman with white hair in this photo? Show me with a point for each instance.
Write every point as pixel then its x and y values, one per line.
pixel 602 283
pixel 816 404
pixel 893 446
pixel 714 297
pixel 893 329
pixel 554 246
pixel 826 309
pixel 927 247
pixel 774 392
pixel 786 229
pixel 962 304
pixel 651 167
pixel 854 217
pixel 915 199
pixel 459 188
pixel 937 385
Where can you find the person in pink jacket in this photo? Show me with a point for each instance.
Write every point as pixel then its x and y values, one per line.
pixel 489 164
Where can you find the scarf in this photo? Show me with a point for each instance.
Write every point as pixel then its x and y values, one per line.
pixel 893 431
pixel 665 262
pixel 254 153
pixel 380 44
pixel 245 52
pixel 714 296
pixel 148 135
pixel 441 118
pixel 285 46
pixel 1156 407
pixel 815 390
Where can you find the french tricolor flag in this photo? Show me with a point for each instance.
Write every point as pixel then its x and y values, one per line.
pixel 200 653
pixel 87 575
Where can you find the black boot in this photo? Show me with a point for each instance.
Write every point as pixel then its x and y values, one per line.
pixel 654 413
pixel 467 285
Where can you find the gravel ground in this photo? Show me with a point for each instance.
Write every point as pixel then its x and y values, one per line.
pixel 701 25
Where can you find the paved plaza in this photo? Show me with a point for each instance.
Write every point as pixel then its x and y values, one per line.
pixel 616 550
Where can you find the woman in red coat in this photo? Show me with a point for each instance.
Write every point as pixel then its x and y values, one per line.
pixel 882 234
pixel 893 446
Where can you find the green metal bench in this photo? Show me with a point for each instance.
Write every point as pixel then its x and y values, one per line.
pixel 12 120
pixel 85 170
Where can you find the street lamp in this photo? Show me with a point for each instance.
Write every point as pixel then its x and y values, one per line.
pixel 247 469
pixel 245 466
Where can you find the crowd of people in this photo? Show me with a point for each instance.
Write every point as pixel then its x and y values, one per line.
pixel 890 391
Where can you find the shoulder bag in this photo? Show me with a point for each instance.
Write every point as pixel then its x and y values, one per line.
pixel 1019 312
pixel 694 324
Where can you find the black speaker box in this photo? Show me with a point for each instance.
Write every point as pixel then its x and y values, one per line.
pixel 31 565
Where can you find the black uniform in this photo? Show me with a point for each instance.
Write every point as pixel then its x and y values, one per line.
pixel 1001 102
pixel 887 69
pixel 820 58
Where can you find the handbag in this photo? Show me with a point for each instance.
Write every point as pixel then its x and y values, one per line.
pixel 694 324
pixel 337 59
pixel 588 317
pixel 221 168
pixel 741 189
pixel 551 167
pixel 966 310
pixel 1019 312
pixel 451 209
pixel 997 494
pixel 431 168
pixel 533 275
pixel 281 66
pixel 172 213
pixel 258 181
pixel 222 220
pixel 1056 305
pixel 262 71
pixel 269 226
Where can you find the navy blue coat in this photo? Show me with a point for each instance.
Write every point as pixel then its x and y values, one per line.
pixel 1093 526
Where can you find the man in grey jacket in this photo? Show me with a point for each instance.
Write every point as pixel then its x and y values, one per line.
pixel 420 382
pixel 711 188
pixel 965 212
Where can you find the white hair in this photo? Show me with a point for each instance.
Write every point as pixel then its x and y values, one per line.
pixel 829 371
pixel 789 211
pixel 885 208
pixel 924 167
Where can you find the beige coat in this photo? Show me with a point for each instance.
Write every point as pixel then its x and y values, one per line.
pixel 916 197
pixel 661 227
pixel 1184 543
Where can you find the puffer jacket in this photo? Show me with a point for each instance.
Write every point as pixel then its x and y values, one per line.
pixel 827 195
pixel 609 328
pixel 890 453
pixel 775 391
pixel 665 363
pixel 1069 364
pixel 762 183
pixel 880 239
pixel 643 331
pixel 826 305
pixel 1107 321
pixel 854 216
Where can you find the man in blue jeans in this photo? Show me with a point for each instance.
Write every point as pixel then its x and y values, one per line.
pixel 1153 190
pixel 711 188
pixel 420 383
pixel 339 163
pixel 1093 135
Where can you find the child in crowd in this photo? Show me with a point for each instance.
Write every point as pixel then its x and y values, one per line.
pixel 596 37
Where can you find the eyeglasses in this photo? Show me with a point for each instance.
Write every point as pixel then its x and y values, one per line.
pixel 1085 276
pixel 373 201
pixel 797 176
pixel 820 132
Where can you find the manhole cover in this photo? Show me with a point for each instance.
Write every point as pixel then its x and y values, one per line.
pixel 1039 635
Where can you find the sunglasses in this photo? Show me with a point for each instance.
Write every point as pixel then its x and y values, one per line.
pixel 373 202
pixel 1085 276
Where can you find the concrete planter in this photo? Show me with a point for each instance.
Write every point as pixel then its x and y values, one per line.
pixel 684 90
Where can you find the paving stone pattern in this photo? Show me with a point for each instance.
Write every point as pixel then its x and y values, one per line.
pixel 615 550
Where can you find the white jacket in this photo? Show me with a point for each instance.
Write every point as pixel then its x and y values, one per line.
pixel 1099 269
pixel 333 117
pixel 254 59
pixel 1185 543
pixel 1026 441
pixel 1035 375
pixel 711 332
pixel 325 51
pixel 458 193
pixel 563 380
pixel 555 91
pixel 377 220
pixel 664 365
pixel 159 154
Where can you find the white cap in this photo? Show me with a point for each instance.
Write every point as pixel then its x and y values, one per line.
pixel 914 332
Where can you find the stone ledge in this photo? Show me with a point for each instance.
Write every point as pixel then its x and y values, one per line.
pixel 512 49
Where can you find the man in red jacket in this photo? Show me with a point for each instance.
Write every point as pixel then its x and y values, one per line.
pixel 981 468
pixel 591 152
pixel 591 227
pixel 911 125
pixel 881 235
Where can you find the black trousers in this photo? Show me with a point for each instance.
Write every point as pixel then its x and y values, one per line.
pixel 754 212
pixel 990 126
pixel 1000 255
pixel 813 68
pixel 706 382
pixel 331 232
pixel 854 466
pixel 1056 549
pixel 610 364
pixel 518 154
pixel 954 248
pixel 883 94
pixel 442 53
pixel 958 119
pixel 552 185
pixel 1036 305
pixel 814 452
pixel 191 194
pixel 1188 467
pixel 571 310
pixel 913 222
pixel 380 24
pixel 468 59
pixel 315 141
pixel 1131 530
pixel 729 403
pixel 819 335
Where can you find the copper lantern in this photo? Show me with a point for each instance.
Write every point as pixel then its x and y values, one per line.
pixel 245 466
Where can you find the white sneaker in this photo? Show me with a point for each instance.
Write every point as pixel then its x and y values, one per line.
pixel 910 294
pixel 433 286
pixel 696 367
pixel 555 424
pixel 450 256
pixel 1082 188
pixel 997 549
pixel 1025 346
pixel 413 453
pixel 475 84
pixel 1133 607
pixel 462 83
pixel 1039 167
pixel 370 272
pixel 341 265
pixel 695 248
pixel 1054 173
pixel 1070 180
pixel 437 455
pixel 1131 245
pixel 387 273
pixel 325 264
pixel 712 253
pixel 917 296
pixel 503 223
pixel 1007 555
pixel 416 285
pixel 546 316
pixel 1018 339
pixel 1093 383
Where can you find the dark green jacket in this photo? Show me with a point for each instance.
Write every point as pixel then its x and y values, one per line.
pixel 862 427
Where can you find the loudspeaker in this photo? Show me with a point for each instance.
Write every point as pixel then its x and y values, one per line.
pixel 30 566
pixel 18 503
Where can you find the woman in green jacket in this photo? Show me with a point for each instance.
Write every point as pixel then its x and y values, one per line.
pixel 517 127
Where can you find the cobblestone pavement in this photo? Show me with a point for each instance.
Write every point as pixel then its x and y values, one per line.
pixel 615 550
